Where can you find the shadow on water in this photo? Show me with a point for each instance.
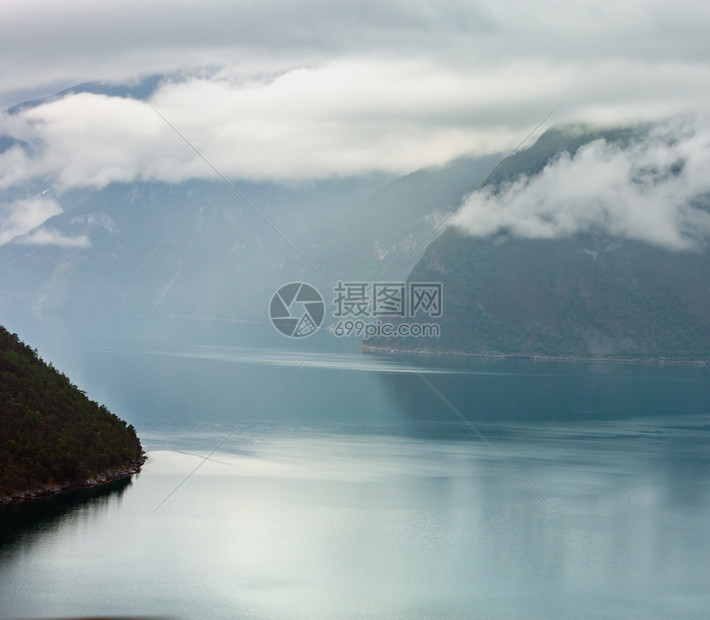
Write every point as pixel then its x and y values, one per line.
pixel 506 391
pixel 22 522
pixel 184 373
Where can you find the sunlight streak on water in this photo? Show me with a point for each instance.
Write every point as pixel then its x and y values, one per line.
pixel 327 361
pixel 320 525
pixel 355 493
pixel 316 525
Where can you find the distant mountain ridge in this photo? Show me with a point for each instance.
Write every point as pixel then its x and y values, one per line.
pixel 588 295
pixel 141 89
pixel 196 249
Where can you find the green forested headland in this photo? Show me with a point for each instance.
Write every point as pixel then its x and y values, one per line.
pixel 51 434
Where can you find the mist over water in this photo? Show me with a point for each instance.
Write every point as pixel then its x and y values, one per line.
pixel 353 491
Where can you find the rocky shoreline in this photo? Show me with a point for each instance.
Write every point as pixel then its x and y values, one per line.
pixel 104 478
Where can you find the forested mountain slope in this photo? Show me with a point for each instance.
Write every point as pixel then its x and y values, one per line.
pixel 52 435
pixel 587 244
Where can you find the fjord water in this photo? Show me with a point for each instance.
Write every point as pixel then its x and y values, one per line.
pixel 355 491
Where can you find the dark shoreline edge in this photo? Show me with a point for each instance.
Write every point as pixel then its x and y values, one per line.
pixel 373 349
pixel 103 478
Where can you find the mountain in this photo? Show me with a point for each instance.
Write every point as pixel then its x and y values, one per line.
pixel 196 249
pixel 140 89
pixel 590 293
pixel 53 437
pixel 586 296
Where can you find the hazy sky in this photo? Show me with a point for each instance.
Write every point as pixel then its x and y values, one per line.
pixel 291 89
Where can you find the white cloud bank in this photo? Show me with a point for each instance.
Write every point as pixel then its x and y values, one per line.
pixel 21 216
pixel 648 192
pixel 345 118
pixel 304 124
pixel 302 89
pixel 50 236
pixel 20 223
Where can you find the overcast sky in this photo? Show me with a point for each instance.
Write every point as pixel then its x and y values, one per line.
pixel 291 89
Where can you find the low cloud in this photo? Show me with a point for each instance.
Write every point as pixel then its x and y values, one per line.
pixel 50 236
pixel 653 191
pixel 341 118
pixel 21 216
pixel 20 221
pixel 305 89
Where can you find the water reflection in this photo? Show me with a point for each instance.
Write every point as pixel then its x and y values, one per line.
pixel 310 524
pixel 21 522
pixel 363 393
pixel 355 492
pixel 526 391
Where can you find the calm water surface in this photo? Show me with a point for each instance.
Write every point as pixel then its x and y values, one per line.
pixel 353 491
